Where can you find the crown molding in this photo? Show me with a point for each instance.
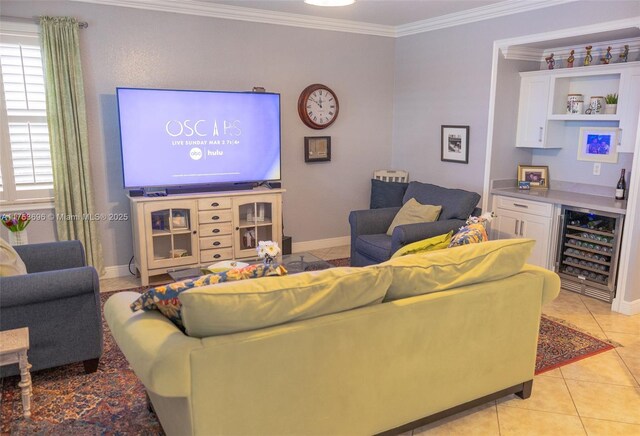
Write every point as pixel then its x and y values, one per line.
pixel 501 9
pixel 229 12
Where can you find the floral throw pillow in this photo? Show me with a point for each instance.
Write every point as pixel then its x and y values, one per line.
pixel 469 234
pixel 165 298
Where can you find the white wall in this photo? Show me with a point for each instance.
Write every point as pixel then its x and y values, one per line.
pixel 138 48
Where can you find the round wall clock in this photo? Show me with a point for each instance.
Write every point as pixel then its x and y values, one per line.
pixel 318 106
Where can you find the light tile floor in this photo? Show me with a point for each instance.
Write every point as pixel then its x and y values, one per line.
pixel 599 395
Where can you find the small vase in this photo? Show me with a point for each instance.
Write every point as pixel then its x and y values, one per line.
pixel 611 108
pixel 18 238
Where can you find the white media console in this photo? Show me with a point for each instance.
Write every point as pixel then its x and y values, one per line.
pixel 187 230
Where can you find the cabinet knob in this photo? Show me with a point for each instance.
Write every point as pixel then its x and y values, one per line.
pixel 195 232
pixel 237 228
pixel 215 231
pixel 215 244
pixel 215 217
pixel 217 256
pixel 215 204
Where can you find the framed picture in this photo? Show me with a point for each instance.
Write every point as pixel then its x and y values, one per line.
pixel 455 144
pixel 317 148
pixel 537 176
pixel 598 144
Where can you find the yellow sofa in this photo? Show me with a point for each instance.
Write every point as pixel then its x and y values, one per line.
pixel 378 368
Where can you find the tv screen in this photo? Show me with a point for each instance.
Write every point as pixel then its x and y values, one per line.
pixel 176 138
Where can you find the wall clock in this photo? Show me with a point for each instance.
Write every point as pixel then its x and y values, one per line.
pixel 318 106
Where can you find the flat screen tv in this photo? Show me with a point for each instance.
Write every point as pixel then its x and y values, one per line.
pixel 180 139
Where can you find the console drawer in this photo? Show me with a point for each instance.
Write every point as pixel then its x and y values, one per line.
pixel 207 230
pixel 214 203
pixel 216 242
pixel 216 255
pixel 214 216
pixel 525 206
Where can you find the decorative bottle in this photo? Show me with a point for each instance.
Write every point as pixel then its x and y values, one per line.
pixel 621 187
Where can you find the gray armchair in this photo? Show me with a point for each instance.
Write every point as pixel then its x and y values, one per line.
pixel 59 300
pixel 369 241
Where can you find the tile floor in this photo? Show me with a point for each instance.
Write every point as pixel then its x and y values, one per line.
pixel 599 395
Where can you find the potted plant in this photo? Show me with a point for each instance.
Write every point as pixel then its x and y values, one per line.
pixel 612 103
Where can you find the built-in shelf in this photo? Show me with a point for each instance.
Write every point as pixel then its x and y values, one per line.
pixel 584 117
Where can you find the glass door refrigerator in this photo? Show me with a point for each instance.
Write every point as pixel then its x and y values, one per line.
pixel 588 250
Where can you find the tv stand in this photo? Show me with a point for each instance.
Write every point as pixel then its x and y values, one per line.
pixel 198 229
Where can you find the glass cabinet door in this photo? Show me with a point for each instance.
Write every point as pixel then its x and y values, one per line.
pixel 257 219
pixel 173 239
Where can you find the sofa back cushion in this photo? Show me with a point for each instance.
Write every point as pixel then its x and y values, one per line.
pixel 386 194
pixel 253 304
pixel 434 271
pixel 456 203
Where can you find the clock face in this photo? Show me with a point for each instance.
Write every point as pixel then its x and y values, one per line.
pixel 318 106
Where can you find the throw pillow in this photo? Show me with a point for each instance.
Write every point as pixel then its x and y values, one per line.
pixel 254 304
pixel 386 194
pixel 456 203
pixel 434 243
pixel 469 235
pixel 440 270
pixel 413 212
pixel 165 298
pixel 10 262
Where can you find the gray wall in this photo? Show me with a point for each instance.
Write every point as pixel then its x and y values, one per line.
pixel 131 47
pixel 443 77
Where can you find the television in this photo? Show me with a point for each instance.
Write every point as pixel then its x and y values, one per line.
pixel 198 139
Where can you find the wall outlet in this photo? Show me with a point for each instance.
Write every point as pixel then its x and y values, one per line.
pixel 596 169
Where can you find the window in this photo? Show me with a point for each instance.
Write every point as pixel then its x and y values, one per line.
pixel 25 165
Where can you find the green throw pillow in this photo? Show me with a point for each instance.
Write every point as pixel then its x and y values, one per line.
pixel 434 243
pixel 413 212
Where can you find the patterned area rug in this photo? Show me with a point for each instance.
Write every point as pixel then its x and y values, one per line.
pixel 112 400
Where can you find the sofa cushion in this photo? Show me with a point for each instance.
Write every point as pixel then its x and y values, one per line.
pixel 386 194
pixel 469 234
pixel 456 203
pixel 10 262
pixel 165 298
pixel 435 243
pixel 253 304
pixel 413 212
pixel 439 270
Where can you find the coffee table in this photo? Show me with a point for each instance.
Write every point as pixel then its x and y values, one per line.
pixel 13 349
pixel 294 263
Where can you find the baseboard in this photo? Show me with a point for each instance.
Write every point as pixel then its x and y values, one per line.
pixel 629 307
pixel 320 244
pixel 111 272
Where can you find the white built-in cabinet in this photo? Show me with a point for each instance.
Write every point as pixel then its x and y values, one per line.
pixel 518 218
pixel 543 121
pixel 189 230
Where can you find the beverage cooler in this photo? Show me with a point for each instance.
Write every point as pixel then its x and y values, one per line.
pixel 588 250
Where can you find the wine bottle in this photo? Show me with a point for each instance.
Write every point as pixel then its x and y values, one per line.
pixel 621 187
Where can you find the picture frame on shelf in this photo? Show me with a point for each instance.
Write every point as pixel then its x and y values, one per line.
pixel 598 144
pixel 454 144
pixel 536 175
pixel 317 148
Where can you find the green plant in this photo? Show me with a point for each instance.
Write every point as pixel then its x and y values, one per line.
pixel 611 99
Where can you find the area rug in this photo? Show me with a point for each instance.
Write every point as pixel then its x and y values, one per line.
pixel 112 400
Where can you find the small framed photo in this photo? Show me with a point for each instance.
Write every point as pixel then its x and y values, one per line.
pixel 536 176
pixel 598 144
pixel 317 148
pixel 455 144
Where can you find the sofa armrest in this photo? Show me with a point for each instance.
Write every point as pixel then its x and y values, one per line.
pixel 48 285
pixel 51 256
pixel 408 233
pixel 551 287
pixel 158 352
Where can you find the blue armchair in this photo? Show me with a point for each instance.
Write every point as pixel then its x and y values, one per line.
pixel 59 300
pixel 370 243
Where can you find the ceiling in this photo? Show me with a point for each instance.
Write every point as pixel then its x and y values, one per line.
pixel 380 12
